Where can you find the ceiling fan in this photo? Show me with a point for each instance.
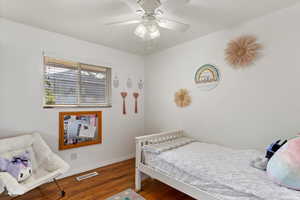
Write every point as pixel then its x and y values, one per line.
pixel 151 20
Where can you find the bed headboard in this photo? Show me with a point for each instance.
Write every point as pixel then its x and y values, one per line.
pixel 155 139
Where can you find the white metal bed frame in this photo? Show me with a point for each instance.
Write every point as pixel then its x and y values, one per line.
pixel 141 168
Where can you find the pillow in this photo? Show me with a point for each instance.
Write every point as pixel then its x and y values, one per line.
pixel 284 166
pixel 18 166
pixel 165 146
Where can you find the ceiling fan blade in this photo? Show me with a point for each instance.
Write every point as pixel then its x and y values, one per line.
pixel 123 23
pixel 173 25
pixel 132 4
pixel 173 5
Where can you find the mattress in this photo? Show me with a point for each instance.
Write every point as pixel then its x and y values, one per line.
pixel 222 172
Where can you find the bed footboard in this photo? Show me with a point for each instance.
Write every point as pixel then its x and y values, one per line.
pixel 151 139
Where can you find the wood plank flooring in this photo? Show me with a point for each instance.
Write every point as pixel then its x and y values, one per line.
pixel 112 179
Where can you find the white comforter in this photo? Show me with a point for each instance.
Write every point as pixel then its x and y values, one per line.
pixel 219 167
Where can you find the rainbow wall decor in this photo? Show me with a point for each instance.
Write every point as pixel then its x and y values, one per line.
pixel 207 77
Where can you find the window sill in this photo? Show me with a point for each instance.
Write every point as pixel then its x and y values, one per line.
pixel 76 106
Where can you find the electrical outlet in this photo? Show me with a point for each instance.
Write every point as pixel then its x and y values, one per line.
pixel 73 156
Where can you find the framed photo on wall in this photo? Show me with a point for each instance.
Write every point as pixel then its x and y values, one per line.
pixel 77 129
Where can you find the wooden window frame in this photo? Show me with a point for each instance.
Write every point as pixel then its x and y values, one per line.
pixel 80 66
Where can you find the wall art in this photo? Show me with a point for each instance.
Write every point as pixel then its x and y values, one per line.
pixel 207 77
pixel 182 98
pixel 77 129
pixel 140 84
pixel 242 51
pixel 129 83
pixel 116 81
pixel 124 95
pixel 135 95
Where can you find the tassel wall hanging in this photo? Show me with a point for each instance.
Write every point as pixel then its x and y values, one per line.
pixel 135 95
pixel 124 95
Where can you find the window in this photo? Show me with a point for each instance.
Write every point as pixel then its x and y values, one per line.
pixel 68 83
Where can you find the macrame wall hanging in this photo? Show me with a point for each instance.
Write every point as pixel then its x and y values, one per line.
pixel 242 51
pixel 135 95
pixel 124 95
pixel 182 98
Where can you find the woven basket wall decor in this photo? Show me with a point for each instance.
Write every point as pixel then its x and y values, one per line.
pixel 182 98
pixel 242 51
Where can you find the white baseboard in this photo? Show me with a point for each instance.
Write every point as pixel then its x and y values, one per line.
pixel 101 164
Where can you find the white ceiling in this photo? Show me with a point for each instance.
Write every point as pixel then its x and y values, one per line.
pixel 85 19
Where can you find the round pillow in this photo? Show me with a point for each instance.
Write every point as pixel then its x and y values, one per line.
pixel 284 167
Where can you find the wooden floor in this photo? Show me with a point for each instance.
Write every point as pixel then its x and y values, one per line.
pixel 112 179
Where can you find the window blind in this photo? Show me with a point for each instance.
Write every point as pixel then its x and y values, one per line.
pixel 93 86
pixel 68 83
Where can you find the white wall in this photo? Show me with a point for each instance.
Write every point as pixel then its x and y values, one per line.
pixel 250 107
pixel 21 92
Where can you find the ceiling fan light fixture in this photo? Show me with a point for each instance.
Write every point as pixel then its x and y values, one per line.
pixel 152 21
pixel 147 31
pixel 140 31
pixel 154 35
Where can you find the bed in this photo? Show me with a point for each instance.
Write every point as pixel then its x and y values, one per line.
pixel 204 171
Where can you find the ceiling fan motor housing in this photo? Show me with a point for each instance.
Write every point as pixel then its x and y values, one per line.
pixel 149 6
